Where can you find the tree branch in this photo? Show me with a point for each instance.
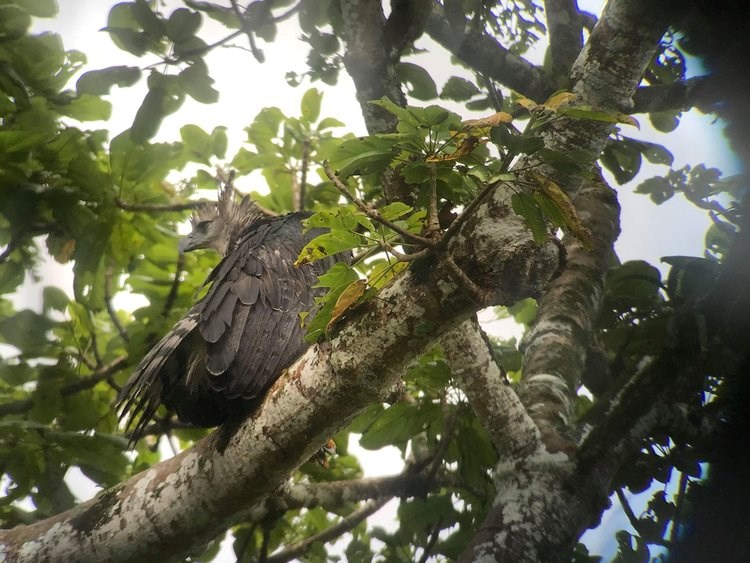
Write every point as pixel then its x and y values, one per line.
pixel 160 208
pixel 341 527
pixel 485 55
pixel 108 303
pixel 564 24
pixel 373 214
pixel 491 397
pixel 372 69
pixel 558 340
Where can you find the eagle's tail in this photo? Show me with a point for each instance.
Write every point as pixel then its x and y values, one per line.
pixel 141 395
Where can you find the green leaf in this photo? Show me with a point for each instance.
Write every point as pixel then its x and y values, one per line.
pixel 197 84
pixel 658 188
pixel 524 311
pixel 246 161
pixel 665 121
pixel 129 40
pixel 623 159
pixel 403 114
pixel 151 24
pixel 220 141
pixel 26 330
pixel 420 514
pixel 99 82
pixel 310 105
pixel 54 298
pixel 364 155
pixel 223 14
pixel 149 116
pixel 198 143
pixel 344 218
pixel 12 274
pixel 46 400
pixel 393 211
pixel 338 278
pixel 395 425
pixel 182 24
pixel 525 206
pixel 656 153
pixel 39 8
pixel 13 22
pixel 86 107
pixel 329 123
pixel 458 89
pixel 328 244
pixel 418 81
pixel 633 284
pixel 12 141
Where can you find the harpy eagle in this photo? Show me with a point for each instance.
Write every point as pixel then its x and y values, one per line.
pixel 216 363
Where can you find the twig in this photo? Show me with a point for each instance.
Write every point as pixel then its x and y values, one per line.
pixel 108 303
pixel 433 223
pixel 288 14
pixel 303 174
pixel 437 455
pixel 434 536
pixel 102 373
pixel 164 426
pixel 344 525
pixel 680 502
pixel 247 30
pixel 94 344
pixel 374 215
pixel 476 293
pixel 10 247
pixel 404 257
pixel 627 510
pixel 169 303
pixel 159 208
pixel 461 219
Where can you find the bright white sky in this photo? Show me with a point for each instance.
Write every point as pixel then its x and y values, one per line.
pixel 649 232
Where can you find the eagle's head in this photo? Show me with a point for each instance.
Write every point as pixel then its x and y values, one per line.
pixel 219 225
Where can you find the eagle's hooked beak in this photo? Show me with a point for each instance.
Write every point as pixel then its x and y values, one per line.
pixel 187 243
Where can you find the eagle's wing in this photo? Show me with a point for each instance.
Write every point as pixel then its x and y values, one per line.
pixel 236 341
pixel 158 372
pixel 251 321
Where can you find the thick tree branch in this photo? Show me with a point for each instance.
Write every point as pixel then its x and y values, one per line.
pixel 369 64
pixel 541 505
pixel 564 24
pixel 485 55
pixel 495 403
pixel 556 345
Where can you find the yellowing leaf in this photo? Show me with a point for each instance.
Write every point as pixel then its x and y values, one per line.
pixel 348 298
pixel 564 206
pixel 490 121
pixel 463 148
pixel 559 99
pixel 528 104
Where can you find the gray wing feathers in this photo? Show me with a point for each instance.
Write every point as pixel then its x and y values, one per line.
pixel 141 395
pixel 248 330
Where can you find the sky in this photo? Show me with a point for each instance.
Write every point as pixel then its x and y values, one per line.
pixel 245 86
